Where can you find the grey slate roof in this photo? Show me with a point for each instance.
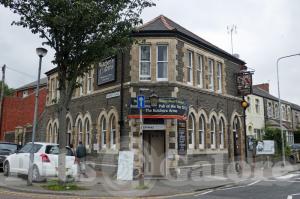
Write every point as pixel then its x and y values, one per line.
pixel 260 92
pixel 164 24
pixel 33 84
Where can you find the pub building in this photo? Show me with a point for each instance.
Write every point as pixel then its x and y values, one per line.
pixel 172 98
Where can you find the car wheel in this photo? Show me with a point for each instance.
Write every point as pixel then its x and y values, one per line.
pixel 6 169
pixel 36 177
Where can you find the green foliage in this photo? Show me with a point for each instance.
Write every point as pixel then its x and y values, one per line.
pixel 54 185
pixel 275 134
pixel 7 91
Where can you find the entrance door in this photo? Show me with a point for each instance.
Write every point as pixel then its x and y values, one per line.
pixel 154 152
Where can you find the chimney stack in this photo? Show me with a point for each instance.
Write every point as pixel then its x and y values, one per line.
pixel 264 86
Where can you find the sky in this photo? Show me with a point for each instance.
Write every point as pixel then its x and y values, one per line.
pixel 266 30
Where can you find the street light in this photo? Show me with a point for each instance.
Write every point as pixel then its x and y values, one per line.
pixel 41 52
pixel 279 102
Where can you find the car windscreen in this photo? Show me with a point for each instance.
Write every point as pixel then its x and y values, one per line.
pixel 27 148
pixel 295 146
pixel 8 147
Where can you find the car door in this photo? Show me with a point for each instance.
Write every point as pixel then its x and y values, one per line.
pixel 23 157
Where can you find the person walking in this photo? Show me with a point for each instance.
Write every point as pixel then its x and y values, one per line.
pixel 81 156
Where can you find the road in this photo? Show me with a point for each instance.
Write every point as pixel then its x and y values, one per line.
pixel 283 187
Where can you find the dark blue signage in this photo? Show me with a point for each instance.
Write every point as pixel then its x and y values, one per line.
pixel 106 71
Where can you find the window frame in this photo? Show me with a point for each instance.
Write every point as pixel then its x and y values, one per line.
pixel 222 131
pixel 199 69
pixel 87 133
pixel 80 130
pixel 103 132
pixel 192 130
pixel 219 77
pixel 189 67
pixel 140 61
pixel 213 144
pixel 113 132
pixel 89 83
pixel 210 74
pixel 257 106
pixel 157 61
pixel 201 131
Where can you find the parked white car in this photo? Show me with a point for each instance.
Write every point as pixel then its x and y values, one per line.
pixel 45 162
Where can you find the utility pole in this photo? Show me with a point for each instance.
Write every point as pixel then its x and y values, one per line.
pixel 230 30
pixel 2 95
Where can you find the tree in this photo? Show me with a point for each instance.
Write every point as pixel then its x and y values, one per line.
pixel 81 32
pixel 7 91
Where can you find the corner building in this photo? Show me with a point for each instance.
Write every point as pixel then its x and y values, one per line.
pixel 175 64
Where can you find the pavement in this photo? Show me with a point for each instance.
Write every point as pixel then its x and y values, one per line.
pixel 100 186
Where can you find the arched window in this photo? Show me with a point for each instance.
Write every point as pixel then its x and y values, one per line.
pixel 283 112
pixel 288 114
pixel 221 133
pixel 50 133
pixel 276 111
pixel 213 132
pixel 79 131
pixel 113 132
pixel 103 132
pixel 87 133
pixel 201 132
pixel 55 132
pixel 235 129
pixel 191 131
pixel 69 132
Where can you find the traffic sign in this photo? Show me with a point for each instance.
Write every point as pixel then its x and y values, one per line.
pixel 141 101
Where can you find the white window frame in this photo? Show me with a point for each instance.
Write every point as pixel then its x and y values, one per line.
pixel 69 133
pixel 201 132
pixel 80 131
pixel 113 132
pixel 213 143
pixel 257 106
pixel 200 71
pixel 276 110
pixel 53 87
pixel 55 133
pixel 103 132
pixel 140 61
pixel 222 133
pixel 87 133
pixel 270 110
pixel 167 61
pixel 89 83
pixel 191 132
pixel 219 76
pixel 211 85
pixel 25 93
pixel 190 67
pixel 81 86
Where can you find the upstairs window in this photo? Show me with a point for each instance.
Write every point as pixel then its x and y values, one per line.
pixel 89 81
pixel 200 71
pixel 210 74
pixel 219 77
pixel 145 66
pixel 270 109
pixel 190 68
pixel 162 62
pixel 25 93
pixel 257 106
pixel 276 111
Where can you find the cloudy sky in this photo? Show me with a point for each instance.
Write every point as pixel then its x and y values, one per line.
pixel 266 30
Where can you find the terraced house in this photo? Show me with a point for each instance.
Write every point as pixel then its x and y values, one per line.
pixel 197 122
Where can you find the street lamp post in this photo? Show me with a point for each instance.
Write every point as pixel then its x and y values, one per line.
pixel 41 52
pixel 279 103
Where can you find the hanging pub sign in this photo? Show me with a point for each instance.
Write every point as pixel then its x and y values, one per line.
pixel 167 107
pixel 106 71
pixel 244 83
pixel 182 141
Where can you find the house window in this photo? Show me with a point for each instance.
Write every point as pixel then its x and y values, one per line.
pixel 80 131
pixel 25 93
pixel 191 131
pixel 113 132
pixel 221 133
pixel 89 81
pixel 257 106
pixel 162 62
pixel 53 89
pixel 103 132
pixel 190 68
pixel 87 133
pixel 270 110
pixel 55 132
pixel 283 112
pixel 249 102
pixel 289 114
pixel 200 71
pixel 57 90
pixel 201 132
pixel 145 66
pixel 219 77
pixel 213 133
pixel 69 132
pixel 80 86
pixel 289 137
pixel 210 74
pixel 276 111
pixel 50 137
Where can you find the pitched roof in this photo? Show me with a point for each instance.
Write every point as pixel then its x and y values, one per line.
pixel 33 84
pixel 262 93
pixel 162 24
